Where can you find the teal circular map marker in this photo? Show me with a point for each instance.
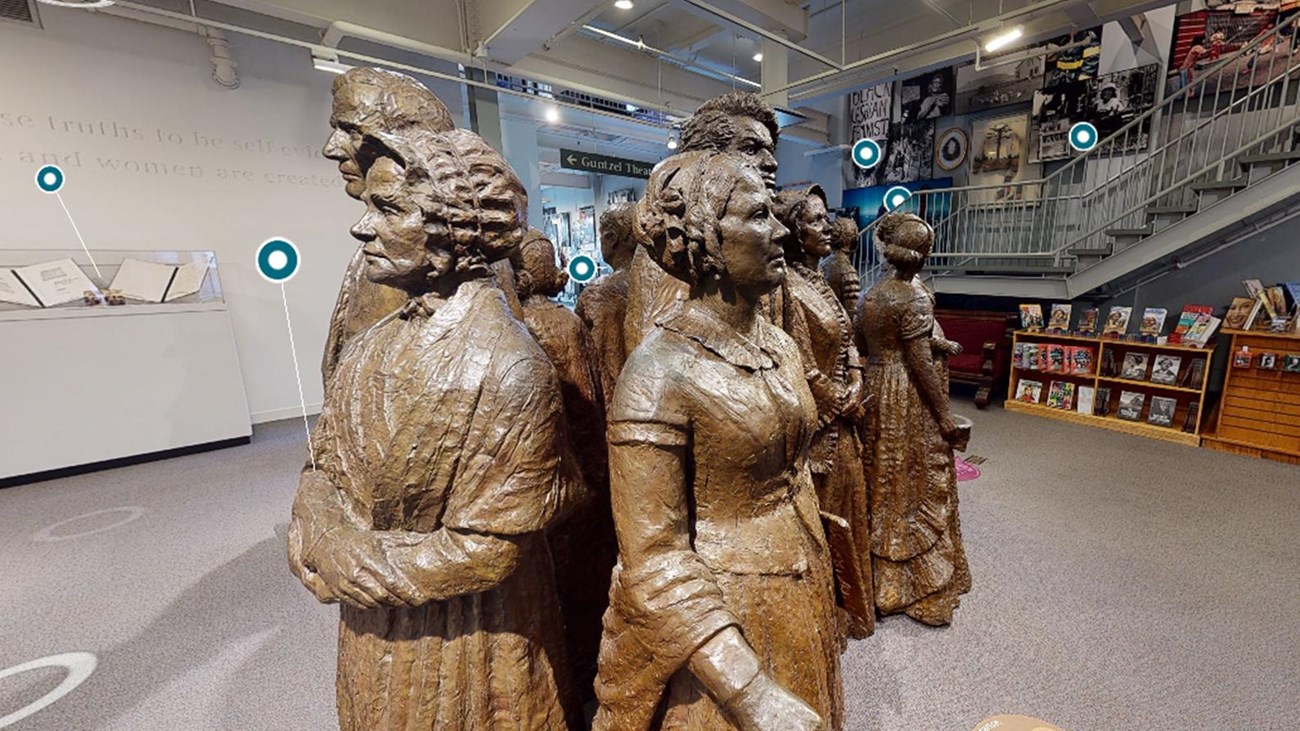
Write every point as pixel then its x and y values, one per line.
pixel 895 197
pixel 1083 136
pixel 582 268
pixel 49 178
pixel 277 260
pixel 866 154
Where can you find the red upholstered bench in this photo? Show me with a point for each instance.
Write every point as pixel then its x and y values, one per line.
pixel 985 339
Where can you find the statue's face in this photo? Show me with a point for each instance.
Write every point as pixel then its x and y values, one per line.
pixel 751 253
pixel 815 227
pixel 754 142
pixel 393 231
pixel 350 106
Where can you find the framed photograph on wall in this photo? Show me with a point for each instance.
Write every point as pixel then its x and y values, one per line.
pixel 911 153
pixel 951 150
pixel 926 97
pixel 1118 99
pixel 870 113
pixel 998 86
pixel 1074 57
pixel 998 157
pixel 1204 38
pixel 1055 111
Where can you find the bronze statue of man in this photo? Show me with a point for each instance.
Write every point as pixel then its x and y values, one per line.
pixel 739 122
pixel 602 305
pixel 369 100
pixel 439 463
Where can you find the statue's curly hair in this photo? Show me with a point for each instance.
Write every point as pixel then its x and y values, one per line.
pixel 403 103
pixel 469 193
pixel 845 235
pixel 904 239
pixel 712 127
pixel 789 208
pixel 535 268
pixel 617 234
pixel 678 219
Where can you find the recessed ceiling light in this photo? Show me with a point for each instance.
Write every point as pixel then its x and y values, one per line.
pixel 758 57
pixel 625 4
pixel 552 115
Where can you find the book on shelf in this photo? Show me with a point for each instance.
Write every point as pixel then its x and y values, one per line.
pixel 1130 405
pixel 1153 321
pixel 1067 395
pixel 1193 417
pixel 1239 312
pixel 1081 360
pixel 1165 369
pixel 1253 287
pixel 1060 317
pixel 1044 358
pixel 1056 358
pixel 1108 367
pixel 1088 321
pixel 1087 400
pixel 1257 306
pixel 1101 406
pixel 147 281
pixel 1193 375
pixel 1276 302
pixel 1187 320
pixel 1029 392
pixel 1031 317
pixel 1117 320
pixel 1162 411
pixel 1292 295
pixel 1204 329
pixel 1135 367
pixel 1056 395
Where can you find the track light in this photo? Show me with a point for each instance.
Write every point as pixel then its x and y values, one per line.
pixel 625 4
pixel 88 4
pixel 673 142
pixel 552 115
pixel 758 57
pixel 1004 39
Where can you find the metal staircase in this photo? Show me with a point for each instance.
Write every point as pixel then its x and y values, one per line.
pixel 1218 155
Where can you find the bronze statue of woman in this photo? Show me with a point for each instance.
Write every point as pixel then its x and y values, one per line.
pixel 722 607
pixel 838 269
pixel 582 545
pixel 602 305
pixel 438 463
pixel 918 562
pixel 813 316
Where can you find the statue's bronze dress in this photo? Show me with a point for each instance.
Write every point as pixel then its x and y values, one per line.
pixel 450 423
pixel 918 562
pixel 603 307
pixel 744 546
pixel 361 303
pixel 842 278
pixel 836 455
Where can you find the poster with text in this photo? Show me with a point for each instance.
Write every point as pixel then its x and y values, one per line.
pixel 999 147
pixel 998 86
pixel 870 111
pixel 926 97
pixel 1076 57
pixel 911 153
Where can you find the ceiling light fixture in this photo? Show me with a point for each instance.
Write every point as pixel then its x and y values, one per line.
pixel 673 142
pixel 1004 39
pixel 758 57
pixel 625 4
pixel 328 62
pixel 552 115
pixel 74 4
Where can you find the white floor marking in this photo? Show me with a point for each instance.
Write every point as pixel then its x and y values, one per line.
pixel 79 666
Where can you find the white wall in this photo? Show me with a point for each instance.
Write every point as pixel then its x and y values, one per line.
pixel 121 84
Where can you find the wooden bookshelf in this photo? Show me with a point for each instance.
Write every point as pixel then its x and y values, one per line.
pixel 1259 413
pixel 1186 395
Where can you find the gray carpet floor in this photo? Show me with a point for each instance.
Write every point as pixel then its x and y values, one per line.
pixel 1120 583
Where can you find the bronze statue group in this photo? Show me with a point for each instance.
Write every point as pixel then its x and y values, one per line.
pixel 673 507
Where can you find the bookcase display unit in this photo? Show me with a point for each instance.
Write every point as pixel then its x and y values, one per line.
pixel 1176 401
pixel 1259 412
pixel 96 385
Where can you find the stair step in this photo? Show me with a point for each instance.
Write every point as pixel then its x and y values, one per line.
pixel 1233 184
pixel 1091 251
pixel 1266 158
pixel 1186 208
pixel 1121 233
pixel 998 270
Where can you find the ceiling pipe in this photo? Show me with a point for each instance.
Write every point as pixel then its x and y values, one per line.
pixel 665 55
pixel 757 30
pixel 224 68
pixel 340 29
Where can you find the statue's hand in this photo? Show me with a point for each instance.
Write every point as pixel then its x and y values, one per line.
pixel 352 565
pixel 299 537
pixel 949 430
pixel 766 706
pixel 948 347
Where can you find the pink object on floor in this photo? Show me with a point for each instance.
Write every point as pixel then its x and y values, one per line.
pixel 966 471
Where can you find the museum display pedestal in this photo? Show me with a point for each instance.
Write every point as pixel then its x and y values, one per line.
pixel 86 385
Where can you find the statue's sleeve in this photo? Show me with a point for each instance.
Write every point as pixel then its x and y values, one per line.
pixel 916 317
pixel 509 479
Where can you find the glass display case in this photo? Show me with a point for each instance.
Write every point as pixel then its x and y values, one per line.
pixel 43 279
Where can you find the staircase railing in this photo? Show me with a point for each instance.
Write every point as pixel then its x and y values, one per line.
pixel 1244 104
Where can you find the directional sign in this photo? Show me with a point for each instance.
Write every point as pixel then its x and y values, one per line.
pixel 592 163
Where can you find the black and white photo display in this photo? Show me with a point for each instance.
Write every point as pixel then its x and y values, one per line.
pixel 926 97
pixel 1110 102
pixel 911 153
pixel 870 112
pixel 999 85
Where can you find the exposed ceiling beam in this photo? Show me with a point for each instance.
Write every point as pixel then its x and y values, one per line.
pixel 778 17
pixel 418 21
pixel 508 30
